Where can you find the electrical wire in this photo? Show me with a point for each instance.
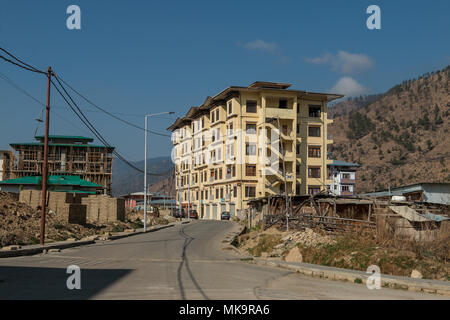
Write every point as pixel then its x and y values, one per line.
pixel 89 125
pixel 29 67
pixel 79 114
pixel 107 112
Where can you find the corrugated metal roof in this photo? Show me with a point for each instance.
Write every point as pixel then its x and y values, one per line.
pixel 66 137
pixel 60 145
pixel 56 180
pixel 339 163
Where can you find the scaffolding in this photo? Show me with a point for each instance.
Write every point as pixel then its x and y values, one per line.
pixel 67 156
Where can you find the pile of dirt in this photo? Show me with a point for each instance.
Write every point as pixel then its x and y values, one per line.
pixel 307 238
pixel 20 224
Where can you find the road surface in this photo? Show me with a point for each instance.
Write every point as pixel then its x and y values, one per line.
pixel 181 262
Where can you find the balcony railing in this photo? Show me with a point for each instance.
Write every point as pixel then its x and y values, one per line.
pixel 347 181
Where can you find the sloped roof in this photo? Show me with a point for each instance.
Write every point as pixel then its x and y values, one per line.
pixel 56 180
pixel 62 137
pixel 339 163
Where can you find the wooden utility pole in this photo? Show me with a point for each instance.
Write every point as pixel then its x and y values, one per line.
pixel 45 164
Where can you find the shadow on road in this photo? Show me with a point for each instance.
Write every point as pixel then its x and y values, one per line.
pixel 184 261
pixel 50 283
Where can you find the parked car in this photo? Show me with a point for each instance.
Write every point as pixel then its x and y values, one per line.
pixel 225 216
pixel 177 213
pixel 193 214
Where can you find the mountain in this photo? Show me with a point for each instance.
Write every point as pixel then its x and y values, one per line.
pixel 127 179
pixel 401 137
pixel 351 104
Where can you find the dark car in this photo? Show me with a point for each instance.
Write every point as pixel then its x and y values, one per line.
pixel 193 214
pixel 177 213
pixel 225 216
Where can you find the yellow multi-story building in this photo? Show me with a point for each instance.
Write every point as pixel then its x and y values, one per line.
pixel 251 142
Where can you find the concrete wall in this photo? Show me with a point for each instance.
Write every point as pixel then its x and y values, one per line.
pixel 102 208
pixel 66 205
pixel 78 208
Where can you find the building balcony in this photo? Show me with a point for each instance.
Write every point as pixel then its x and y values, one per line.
pixel 346 193
pixel 347 181
pixel 281 113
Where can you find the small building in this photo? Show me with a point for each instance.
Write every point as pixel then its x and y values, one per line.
pixel 154 199
pixel 431 192
pixel 342 176
pixel 72 184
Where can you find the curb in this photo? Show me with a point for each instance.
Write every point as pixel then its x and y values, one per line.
pixel 36 248
pixel 338 274
pixel 233 235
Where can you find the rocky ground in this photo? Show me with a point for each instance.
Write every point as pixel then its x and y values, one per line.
pixel 20 224
pixel 350 251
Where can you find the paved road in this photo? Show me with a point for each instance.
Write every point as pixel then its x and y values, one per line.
pixel 181 262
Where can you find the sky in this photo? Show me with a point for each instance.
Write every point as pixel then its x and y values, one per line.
pixel 142 57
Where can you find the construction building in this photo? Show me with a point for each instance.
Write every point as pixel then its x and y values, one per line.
pixel 68 155
pixel 250 142
pixel 343 177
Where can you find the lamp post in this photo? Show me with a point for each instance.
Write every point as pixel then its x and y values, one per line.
pixel 145 163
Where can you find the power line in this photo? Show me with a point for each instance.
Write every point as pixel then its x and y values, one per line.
pixel 15 85
pixel 79 114
pixel 89 125
pixel 29 67
pixel 107 112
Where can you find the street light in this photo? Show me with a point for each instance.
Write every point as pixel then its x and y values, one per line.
pixel 145 163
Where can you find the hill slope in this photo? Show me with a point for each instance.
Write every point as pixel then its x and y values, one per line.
pixel 400 138
pixel 126 179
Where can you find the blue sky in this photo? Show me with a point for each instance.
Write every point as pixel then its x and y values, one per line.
pixel 138 57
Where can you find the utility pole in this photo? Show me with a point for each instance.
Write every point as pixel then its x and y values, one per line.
pixel 45 164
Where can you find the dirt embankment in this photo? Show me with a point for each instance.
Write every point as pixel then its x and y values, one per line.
pixel 20 224
pixel 350 251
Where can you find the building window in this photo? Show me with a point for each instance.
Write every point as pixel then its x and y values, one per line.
pixel 297 148
pixel 298 129
pixel 297 189
pixel 346 176
pixel 250 192
pixel 217 193
pixel 283 104
pixel 313 190
pixel 217 115
pixel 221 193
pixel 230 107
pixel 345 188
pixel 314 111
pixel 250 128
pixel 212 117
pixel 250 149
pixel 250 170
pixel 313 151
pixel 313 172
pixel 235 192
pixel 314 131
pixel 251 106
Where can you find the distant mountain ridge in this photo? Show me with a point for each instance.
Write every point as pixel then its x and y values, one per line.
pixel 127 180
pixel 401 137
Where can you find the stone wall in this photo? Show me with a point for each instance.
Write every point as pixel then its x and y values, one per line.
pixel 78 208
pixel 102 208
